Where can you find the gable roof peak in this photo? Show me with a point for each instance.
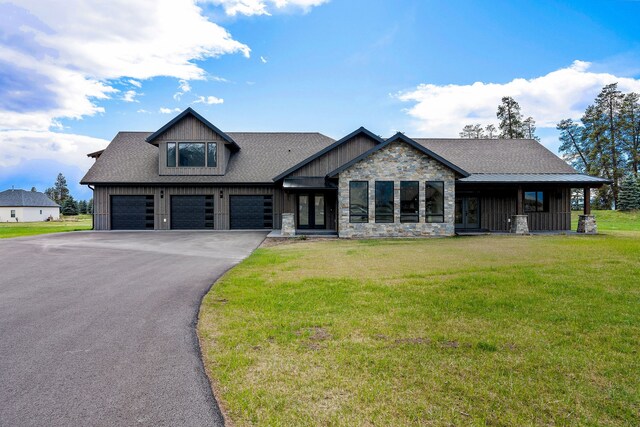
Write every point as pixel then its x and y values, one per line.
pixel 194 113
pixel 399 136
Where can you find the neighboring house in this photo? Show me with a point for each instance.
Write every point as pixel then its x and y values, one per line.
pixel 27 206
pixel 191 175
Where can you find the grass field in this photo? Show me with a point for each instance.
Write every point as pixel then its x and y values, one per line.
pixel 19 229
pixel 487 330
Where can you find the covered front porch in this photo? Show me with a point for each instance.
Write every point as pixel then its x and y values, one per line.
pixel 311 207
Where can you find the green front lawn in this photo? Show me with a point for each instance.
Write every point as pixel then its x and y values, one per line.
pixel 611 220
pixel 498 330
pixel 19 229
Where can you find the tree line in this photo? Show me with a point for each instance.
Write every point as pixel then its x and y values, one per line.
pixel 59 193
pixel 512 124
pixel 606 142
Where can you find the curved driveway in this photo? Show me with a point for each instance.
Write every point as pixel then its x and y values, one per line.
pixel 98 328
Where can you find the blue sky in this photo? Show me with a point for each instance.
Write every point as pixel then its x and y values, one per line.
pixel 74 73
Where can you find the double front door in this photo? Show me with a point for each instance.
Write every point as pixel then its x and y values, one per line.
pixel 467 212
pixel 311 211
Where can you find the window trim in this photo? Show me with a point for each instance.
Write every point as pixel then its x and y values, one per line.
pixel 13 213
pixel 366 214
pixel 544 205
pixel 426 214
pixel 416 214
pixel 393 194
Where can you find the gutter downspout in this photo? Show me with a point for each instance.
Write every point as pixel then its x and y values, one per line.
pixel 93 220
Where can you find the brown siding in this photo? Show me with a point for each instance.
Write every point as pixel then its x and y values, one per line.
pixel 337 157
pixel 498 204
pixel 189 129
pixel 162 198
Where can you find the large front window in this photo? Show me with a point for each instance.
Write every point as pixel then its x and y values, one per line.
pixel 434 201
pixel 534 201
pixel 192 154
pixel 409 201
pixel 384 201
pixel 358 201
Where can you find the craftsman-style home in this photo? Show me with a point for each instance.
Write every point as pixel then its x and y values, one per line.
pixel 191 175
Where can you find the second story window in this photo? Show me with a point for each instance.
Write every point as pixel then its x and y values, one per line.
pixel 192 154
pixel 212 154
pixel 171 154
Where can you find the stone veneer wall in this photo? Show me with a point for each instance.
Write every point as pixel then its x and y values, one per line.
pixel 397 162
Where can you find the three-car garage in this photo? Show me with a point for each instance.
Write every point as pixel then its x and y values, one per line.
pixel 193 212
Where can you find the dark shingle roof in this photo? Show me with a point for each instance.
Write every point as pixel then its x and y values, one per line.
pixel 130 159
pixel 497 156
pixel 24 198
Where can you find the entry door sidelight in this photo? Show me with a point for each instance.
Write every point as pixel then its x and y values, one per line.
pixel 467 212
pixel 311 211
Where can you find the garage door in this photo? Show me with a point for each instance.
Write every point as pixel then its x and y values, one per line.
pixel 251 212
pixel 191 212
pixel 132 212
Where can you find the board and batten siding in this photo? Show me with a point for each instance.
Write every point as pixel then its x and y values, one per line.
pixel 190 129
pixel 162 202
pixel 335 158
pixel 498 205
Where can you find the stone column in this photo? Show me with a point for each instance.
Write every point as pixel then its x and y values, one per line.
pixel 519 224
pixel 288 225
pixel 587 224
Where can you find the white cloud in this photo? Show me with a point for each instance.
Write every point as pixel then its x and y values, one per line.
pixel 22 145
pixel 218 79
pixel 164 110
pixel 143 111
pixel 265 7
pixel 263 59
pixel 564 93
pixel 184 87
pixel 130 96
pixel 210 100
pixel 58 61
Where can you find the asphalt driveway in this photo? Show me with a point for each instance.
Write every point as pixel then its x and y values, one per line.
pixel 98 328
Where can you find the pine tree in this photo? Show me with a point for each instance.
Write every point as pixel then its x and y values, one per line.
pixel 491 131
pixel 61 189
pixel 69 207
pixel 33 190
pixel 90 206
pixel 629 197
pixel 529 128
pixel 510 119
pixel 82 207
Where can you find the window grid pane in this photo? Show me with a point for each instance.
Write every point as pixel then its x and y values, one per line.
pixel 171 154
pixel 409 201
pixel 358 201
pixel 434 201
pixel 384 201
pixel 212 154
pixel 191 154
